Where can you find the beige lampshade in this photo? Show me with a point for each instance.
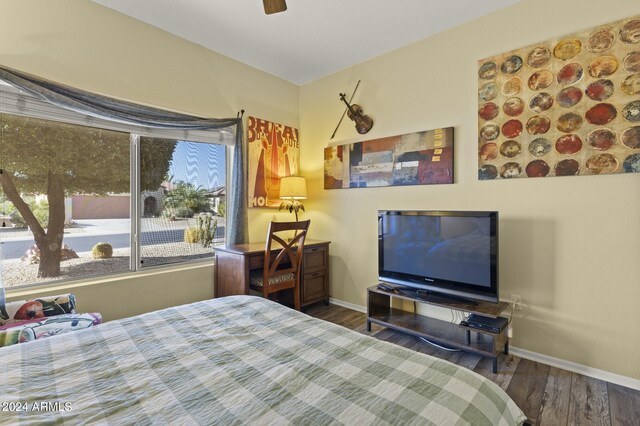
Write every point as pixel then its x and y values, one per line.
pixel 293 187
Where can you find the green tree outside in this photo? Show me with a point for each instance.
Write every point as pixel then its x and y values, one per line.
pixel 59 160
pixel 186 195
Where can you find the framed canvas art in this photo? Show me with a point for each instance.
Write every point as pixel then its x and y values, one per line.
pixel 567 106
pixel 419 158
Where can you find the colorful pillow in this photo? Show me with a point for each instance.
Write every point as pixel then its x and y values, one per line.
pixel 43 307
pixel 26 331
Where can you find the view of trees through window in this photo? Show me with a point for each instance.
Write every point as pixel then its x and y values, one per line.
pixel 184 217
pixel 65 201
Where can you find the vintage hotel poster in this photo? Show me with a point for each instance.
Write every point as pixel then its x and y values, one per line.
pixel 274 152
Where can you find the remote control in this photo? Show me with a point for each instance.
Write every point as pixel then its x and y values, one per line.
pixel 384 287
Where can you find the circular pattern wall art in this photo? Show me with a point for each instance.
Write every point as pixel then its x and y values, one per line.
pixel 568 106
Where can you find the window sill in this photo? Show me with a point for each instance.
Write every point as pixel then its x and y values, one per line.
pixel 70 285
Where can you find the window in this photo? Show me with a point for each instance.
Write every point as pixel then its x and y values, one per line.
pixel 184 215
pixel 80 197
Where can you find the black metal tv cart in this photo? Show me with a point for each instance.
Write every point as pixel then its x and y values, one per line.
pixel 472 340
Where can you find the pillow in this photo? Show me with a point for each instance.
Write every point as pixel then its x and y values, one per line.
pixel 26 331
pixel 43 307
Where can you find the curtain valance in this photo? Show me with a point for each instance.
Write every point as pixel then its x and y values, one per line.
pixel 107 108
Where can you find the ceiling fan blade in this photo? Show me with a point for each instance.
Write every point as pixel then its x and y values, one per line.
pixel 274 6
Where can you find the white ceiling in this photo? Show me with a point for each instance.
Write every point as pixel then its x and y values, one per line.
pixel 313 38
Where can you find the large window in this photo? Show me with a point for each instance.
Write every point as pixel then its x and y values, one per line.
pixel 82 200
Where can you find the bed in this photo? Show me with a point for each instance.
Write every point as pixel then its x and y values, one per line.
pixel 238 360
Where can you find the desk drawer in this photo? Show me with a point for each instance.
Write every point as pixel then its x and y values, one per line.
pixel 314 287
pixel 256 261
pixel 315 259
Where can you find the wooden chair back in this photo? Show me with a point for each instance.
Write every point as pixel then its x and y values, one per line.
pixel 287 261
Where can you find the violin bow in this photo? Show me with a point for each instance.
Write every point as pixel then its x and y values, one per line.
pixel 345 110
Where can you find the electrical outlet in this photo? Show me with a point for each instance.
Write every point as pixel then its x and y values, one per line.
pixel 510 332
pixel 516 299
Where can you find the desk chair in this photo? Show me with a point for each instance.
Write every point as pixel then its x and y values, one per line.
pixel 282 268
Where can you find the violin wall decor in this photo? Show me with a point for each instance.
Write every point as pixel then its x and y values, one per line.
pixel 363 122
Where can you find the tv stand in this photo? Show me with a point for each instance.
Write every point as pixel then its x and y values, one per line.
pixel 433 297
pixel 480 342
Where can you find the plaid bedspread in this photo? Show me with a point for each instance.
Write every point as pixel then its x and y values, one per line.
pixel 238 360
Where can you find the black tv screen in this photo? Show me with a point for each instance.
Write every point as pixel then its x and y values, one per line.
pixel 452 253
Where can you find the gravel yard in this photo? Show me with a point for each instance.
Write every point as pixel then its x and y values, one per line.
pixel 17 272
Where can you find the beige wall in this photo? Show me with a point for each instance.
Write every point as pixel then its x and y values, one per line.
pixel 83 44
pixel 133 294
pixel 569 246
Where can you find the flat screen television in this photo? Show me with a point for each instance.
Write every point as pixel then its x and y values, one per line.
pixel 447 253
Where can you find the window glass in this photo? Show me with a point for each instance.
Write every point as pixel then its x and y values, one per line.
pixel 182 200
pixel 64 201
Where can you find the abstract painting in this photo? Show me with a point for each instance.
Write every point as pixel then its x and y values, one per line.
pixel 568 106
pixel 274 152
pixel 420 158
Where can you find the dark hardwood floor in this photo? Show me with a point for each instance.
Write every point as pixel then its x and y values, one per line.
pixel 548 395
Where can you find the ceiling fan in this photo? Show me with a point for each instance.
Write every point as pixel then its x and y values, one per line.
pixel 274 6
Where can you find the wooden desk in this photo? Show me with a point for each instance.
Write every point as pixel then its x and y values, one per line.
pixel 235 263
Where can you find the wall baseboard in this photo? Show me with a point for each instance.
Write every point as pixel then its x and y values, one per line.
pixel 348 305
pixel 596 373
pixel 585 370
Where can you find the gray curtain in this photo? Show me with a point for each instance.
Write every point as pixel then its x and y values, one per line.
pixel 107 108
pixel 238 201
pixel 2 299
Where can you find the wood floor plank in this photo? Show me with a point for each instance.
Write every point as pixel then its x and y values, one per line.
pixel 322 312
pixel 429 349
pixel 554 409
pixel 374 329
pixel 420 345
pixel 357 321
pixel 468 360
pixel 527 387
pixel 347 319
pixel 589 404
pixel 361 329
pixel 331 314
pixel 624 405
pixel 453 357
pixel 393 336
pixel 506 368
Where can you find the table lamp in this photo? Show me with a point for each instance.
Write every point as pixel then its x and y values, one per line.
pixel 292 189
